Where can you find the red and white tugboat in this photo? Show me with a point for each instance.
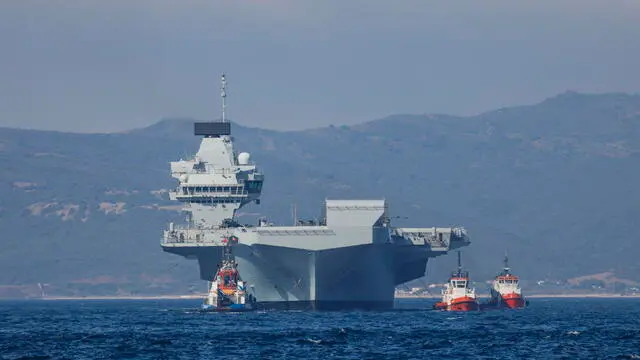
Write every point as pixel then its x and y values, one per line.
pixel 457 294
pixel 505 289
pixel 227 292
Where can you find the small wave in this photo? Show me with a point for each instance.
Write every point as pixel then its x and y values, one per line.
pixel 311 341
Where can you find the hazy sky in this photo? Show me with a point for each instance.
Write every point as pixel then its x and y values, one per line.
pixel 113 65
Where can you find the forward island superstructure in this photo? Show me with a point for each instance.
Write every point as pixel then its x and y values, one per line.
pixel 351 257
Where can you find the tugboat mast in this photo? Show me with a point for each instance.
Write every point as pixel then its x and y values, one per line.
pixel 506 263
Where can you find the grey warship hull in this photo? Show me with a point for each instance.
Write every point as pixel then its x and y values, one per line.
pixel 360 276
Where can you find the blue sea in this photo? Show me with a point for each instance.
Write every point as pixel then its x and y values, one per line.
pixel 176 329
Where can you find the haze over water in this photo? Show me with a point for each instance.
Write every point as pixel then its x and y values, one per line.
pixel 549 328
pixel 292 64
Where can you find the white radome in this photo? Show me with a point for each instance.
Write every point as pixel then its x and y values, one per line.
pixel 243 158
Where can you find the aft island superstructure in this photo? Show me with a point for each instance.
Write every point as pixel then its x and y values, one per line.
pixel 351 257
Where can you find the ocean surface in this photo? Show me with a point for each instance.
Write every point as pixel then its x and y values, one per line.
pixel 177 329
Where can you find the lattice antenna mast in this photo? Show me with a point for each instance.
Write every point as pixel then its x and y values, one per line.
pixel 223 95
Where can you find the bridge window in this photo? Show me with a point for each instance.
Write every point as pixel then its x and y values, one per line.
pixel 253 186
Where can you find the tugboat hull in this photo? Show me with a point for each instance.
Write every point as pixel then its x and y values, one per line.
pixel 460 304
pixel 464 304
pixel 513 301
pixel 230 308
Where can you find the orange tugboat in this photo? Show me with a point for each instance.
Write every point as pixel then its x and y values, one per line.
pixel 457 295
pixel 227 291
pixel 505 290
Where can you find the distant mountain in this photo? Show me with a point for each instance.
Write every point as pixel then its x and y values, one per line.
pixel 553 183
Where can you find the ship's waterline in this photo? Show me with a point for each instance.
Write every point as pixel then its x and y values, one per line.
pixel 349 257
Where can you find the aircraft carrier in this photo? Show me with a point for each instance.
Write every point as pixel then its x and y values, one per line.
pixel 350 258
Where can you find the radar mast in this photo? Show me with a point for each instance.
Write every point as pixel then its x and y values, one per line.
pixel 223 95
